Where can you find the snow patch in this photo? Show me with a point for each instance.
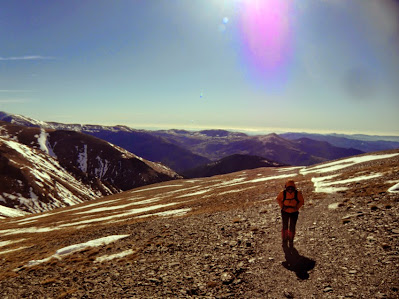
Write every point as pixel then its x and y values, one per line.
pixel 107 208
pixel 333 206
pixel 195 193
pixel 394 188
pixel 277 177
pixel 5 243
pixel 327 187
pixel 105 258
pixel 146 201
pixel 153 188
pixel 10 212
pixel 44 144
pixel 338 165
pixel 77 247
pixel 235 190
pixel 27 230
pixel 82 159
pixel 231 182
pixel 104 165
pixel 120 215
pixel 13 249
pixel 284 169
pixel 177 212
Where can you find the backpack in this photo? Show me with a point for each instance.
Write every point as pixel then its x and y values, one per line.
pixel 285 198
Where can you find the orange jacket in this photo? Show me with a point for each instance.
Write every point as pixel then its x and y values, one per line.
pixel 293 205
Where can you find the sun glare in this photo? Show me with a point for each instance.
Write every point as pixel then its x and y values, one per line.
pixel 266 32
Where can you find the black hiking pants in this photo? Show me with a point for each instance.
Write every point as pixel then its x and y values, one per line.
pixel 289 220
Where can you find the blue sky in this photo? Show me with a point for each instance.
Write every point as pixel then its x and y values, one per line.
pixel 271 65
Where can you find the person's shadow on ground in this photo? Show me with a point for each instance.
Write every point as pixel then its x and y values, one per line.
pixel 297 263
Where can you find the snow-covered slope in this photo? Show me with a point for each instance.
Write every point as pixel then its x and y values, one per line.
pixel 44 169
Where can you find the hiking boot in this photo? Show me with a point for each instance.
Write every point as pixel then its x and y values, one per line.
pixel 285 236
pixel 291 235
pixel 285 243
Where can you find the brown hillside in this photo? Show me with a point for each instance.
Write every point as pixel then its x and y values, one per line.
pixel 217 237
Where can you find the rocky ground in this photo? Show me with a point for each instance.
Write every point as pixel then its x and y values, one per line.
pixel 349 250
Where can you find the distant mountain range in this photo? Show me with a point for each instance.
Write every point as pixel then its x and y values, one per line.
pixel 364 143
pixel 41 169
pixel 217 144
pixel 183 150
pixel 139 142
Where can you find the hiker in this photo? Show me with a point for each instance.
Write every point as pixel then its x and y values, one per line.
pixel 290 201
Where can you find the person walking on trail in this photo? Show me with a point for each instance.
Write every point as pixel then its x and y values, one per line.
pixel 290 201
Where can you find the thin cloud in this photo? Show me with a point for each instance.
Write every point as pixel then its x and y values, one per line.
pixel 14 101
pixel 29 57
pixel 14 90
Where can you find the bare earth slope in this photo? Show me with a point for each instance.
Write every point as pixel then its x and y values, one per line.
pixel 217 237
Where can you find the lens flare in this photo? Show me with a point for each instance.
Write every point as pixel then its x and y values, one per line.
pixel 266 34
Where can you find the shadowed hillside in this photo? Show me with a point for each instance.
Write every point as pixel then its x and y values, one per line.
pixel 217 144
pixel 229 164
pixel 41 170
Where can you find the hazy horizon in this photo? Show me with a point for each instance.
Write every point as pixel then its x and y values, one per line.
pixel 249 131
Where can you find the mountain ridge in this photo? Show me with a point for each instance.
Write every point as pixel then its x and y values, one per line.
pixel 140 142
pixel 182 150
pixel 43 169
pixel 363 144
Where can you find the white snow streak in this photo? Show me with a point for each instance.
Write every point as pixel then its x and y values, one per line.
pixel 76 247
pixel 328 187
pixel 196 193
pixel 128 213
pixel 107 208
pixel 44 144
pixel 27 230
pixel 153 188
pixel 337 165
pixel 82 159
pixel 235 190
pixel 5 243
pixel 104 258
pixel 10 212
pixel 177 212
pixel 394 188
pixel 104 165
pixel 277 177
pixel 13 249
